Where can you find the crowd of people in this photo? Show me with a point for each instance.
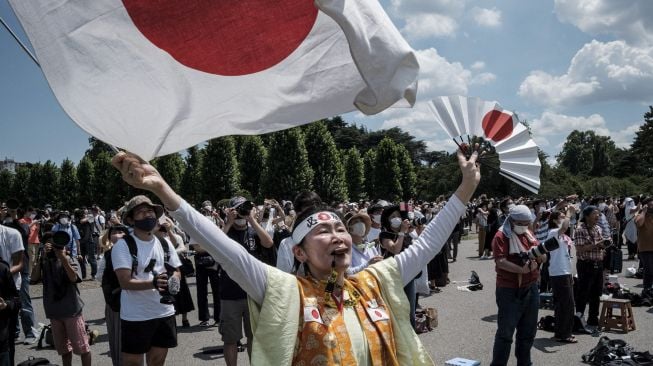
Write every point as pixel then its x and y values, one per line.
pixel 353 271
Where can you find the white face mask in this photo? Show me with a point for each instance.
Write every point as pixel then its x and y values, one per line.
pixel 395 222
pixel 602 206
pixel 520 230
pixel 376 219
pixel 240 222
pixel 63 221
pixel 357 229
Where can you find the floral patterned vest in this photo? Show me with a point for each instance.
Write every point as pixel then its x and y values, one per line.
pixel 322 336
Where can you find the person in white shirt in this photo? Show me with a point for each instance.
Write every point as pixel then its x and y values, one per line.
pixel 560 277
pixel 147 324
pixel 285 256
pixel 363 253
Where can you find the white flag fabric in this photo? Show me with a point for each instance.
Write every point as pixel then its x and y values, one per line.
pixel 155 77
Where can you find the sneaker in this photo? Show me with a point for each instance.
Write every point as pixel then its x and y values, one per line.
pixel 204 324
pixel 92 336
pixel 30 340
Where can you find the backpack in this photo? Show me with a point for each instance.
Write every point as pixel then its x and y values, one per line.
pixel 45 340
pixel 547 323
pixel 110 284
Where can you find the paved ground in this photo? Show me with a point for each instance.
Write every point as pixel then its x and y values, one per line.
pixel 467 322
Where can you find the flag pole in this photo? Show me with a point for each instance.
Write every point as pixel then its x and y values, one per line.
pixel 22 45
pixel 19 42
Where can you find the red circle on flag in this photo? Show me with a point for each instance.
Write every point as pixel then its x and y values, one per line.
pixel 225 37
pixel 315 314
pixel 378 313
pixel 323 216
pixel 497 125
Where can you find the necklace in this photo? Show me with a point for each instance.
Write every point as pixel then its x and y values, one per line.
pixel 349 296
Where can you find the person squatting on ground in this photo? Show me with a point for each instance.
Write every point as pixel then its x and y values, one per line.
pixel 62 302
pixel 147 324
pixel 517 293
pixel 364 315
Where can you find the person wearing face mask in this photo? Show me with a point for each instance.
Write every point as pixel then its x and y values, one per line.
pixel 517 294
pixel 243 228
pixel 374 213
pixel 64 223
pixel 147 325
pixel 561 278
pixel 590 249
pixel 363 253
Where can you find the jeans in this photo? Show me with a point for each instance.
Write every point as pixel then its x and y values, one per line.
pixel 518 309
pixel 590 288
pixel 27 318
pixel 411 292
pixel 88 252
pixel 646 258
pixel 563 300
pixel 202 278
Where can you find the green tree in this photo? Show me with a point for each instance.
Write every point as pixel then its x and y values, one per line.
pixel 220 174
pixel 407 176
pixel 20 186
pixel 86 180
pixel 42 185
pixel 6 183
pixel 354 174
pixel 171 168
pixel 642 147
pixel 105 185
pixel 416 148
pixel 387 172
pixel 369 161
pixel 68 184
pixel 287 169
pixel 191 182
pixel 252 157
pixel 323 157
pixel 586 153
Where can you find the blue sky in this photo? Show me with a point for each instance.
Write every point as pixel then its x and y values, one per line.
pixel 560 64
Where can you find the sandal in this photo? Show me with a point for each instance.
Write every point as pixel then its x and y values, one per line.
pixel 571 339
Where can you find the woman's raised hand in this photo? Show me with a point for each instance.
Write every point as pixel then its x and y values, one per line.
pixel 137 172
pixel 471 173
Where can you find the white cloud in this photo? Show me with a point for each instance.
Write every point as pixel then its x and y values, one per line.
pixel 433 18
pixel 439 76
pixel 554 126
pixel 629 20
pixel 489 18
pixel 483 78
pixel 429 25
pixel 598 72
pixel 478 65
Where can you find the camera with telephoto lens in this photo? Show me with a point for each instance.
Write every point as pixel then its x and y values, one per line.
pixel 539 250
pixel 245 208
pixel 168 295
pixel 419 221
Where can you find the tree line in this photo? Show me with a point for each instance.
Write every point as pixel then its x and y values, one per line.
pixel 340 161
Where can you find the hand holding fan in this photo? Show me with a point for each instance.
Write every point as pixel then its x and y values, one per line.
pixel 497 130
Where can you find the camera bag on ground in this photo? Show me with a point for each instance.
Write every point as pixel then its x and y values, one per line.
pixel 425 320
pixel 36 361
pixel 110 284
pixel 45 339
pixel 610 352
pixel 547 323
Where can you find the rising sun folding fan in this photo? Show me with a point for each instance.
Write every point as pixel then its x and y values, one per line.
pixel 472 120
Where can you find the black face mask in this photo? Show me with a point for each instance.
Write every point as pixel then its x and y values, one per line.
pixel 147 224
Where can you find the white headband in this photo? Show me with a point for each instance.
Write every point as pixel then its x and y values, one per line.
pixel 310 222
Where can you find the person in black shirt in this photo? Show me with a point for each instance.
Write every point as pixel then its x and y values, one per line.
pixel 242 227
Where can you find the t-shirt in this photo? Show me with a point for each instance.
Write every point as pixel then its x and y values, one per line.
pixel 645 234
pixel 61 297
pixel 285 257
pixel 501 249
pixel 10 242
pixel 144 304
pixel 229 289
pixel 33 230
pixel 560 259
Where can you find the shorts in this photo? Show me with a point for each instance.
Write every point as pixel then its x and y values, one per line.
pixel 232 315
pixel 137 337
pixel 69 335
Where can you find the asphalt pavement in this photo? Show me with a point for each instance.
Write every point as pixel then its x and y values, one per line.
pixel 467 323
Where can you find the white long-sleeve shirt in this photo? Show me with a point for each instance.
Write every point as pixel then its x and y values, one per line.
pixel 250 273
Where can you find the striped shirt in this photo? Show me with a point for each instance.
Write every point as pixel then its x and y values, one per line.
pixel 589 236
pixel 542 231
pixel 606 231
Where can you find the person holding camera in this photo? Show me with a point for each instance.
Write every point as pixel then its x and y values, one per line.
pixel 517 294
pixel 644 222
pixel 62 302
pixel 243 228
pixel 590 249
pixel 147 280
pixel 363 253
pixel 84 223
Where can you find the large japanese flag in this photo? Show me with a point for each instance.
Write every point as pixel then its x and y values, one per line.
pixel 157 76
